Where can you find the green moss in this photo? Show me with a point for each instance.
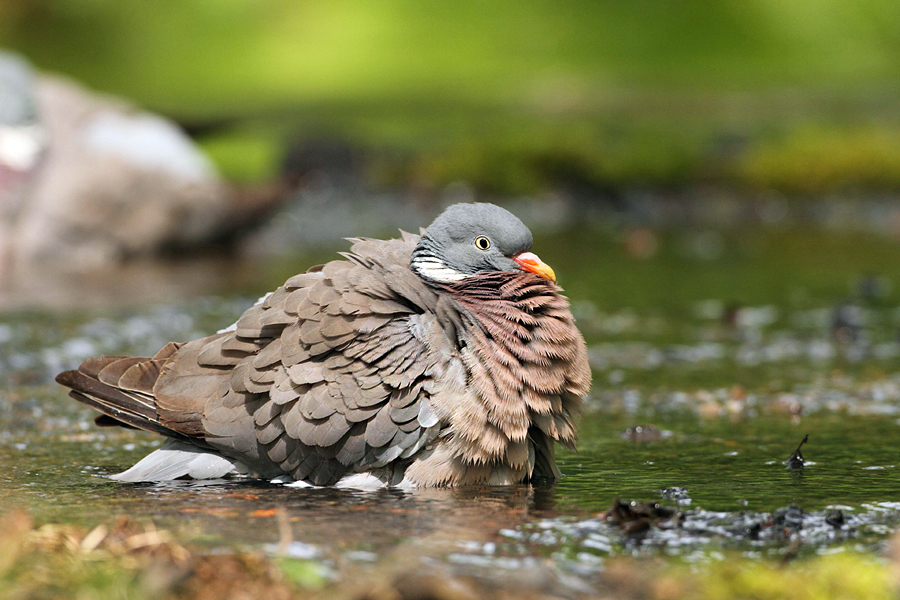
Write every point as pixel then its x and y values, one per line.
pixel 522 157
pixel 819 159
pixel 303 573
pixel 844 576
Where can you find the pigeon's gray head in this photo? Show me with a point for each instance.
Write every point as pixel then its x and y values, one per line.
pixel 467 239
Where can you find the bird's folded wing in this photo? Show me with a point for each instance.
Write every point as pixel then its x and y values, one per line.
pixel 326 376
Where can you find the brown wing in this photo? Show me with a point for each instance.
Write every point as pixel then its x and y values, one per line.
pixel 328 375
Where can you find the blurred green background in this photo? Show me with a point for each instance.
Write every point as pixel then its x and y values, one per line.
pixel 513 97
pixel 740 336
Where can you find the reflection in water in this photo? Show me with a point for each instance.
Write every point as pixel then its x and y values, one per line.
pixel 337 519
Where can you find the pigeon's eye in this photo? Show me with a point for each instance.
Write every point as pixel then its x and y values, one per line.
pixel 482 243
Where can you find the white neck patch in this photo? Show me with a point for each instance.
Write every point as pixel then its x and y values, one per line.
pixel 435 270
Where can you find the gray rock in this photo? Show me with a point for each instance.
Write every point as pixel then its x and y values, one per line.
pixel 114 182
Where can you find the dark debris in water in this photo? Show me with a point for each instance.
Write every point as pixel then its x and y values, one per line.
pixel 633 527
pixel 795 460
pixel 635 517
pixel 789 519
pixel 835 518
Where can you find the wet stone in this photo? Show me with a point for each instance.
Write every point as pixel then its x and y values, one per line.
pixel 790 518
pixel 678 494
pixel 835 518
pixel 703 530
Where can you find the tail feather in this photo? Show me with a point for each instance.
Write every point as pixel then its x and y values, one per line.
pixel 107 421
pixel 92 366
pixel 167 350
pixel 121 388
pixel 140 407
pixel 111 373
pixel 141 377
pixel 123 417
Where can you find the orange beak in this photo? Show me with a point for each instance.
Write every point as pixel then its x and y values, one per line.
pixel 531 263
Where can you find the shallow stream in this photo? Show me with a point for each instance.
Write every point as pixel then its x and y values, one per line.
pixel 713 355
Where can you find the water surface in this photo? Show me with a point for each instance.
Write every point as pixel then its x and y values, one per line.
pixel 725 361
